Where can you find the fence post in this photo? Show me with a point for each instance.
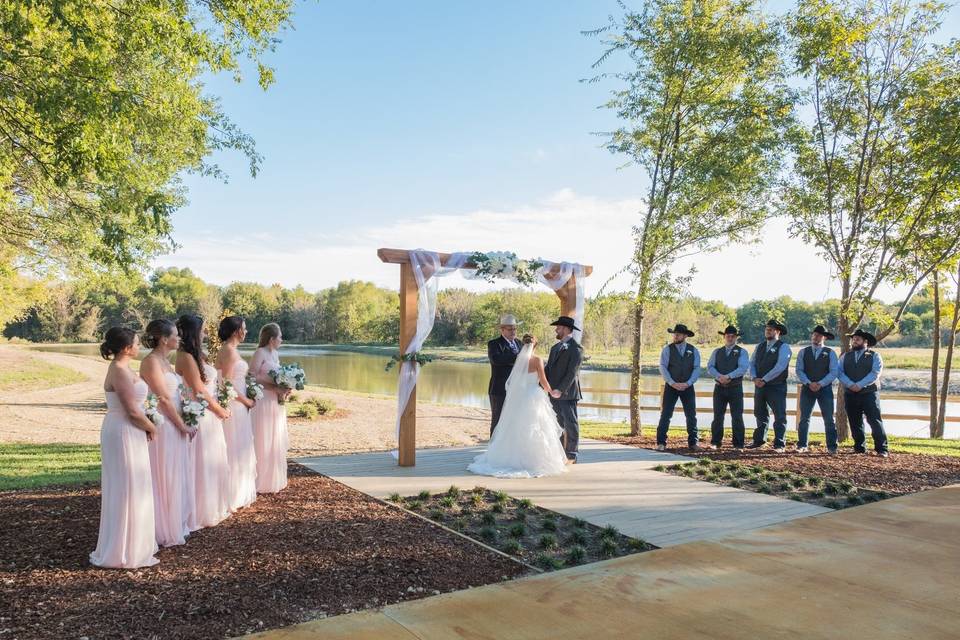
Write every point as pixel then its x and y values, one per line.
pixel 796 412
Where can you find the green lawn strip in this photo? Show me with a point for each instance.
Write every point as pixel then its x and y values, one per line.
pixel 833 494
pixel 30 466
pixel 897 444
pixel 37 373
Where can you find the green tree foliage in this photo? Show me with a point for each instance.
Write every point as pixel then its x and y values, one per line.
pixel 703 108
pixel 102 108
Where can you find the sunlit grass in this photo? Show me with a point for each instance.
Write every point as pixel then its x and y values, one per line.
pixel 28 466
pixel 33 373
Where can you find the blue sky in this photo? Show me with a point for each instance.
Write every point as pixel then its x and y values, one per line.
pixel 446 125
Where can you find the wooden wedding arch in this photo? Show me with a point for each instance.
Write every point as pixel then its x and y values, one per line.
pixel 407 446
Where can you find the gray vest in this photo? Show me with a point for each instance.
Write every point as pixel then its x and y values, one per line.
pixel 859 370
pixel 817 369
pixel 726 363
pixel 680 368
pixel 767 360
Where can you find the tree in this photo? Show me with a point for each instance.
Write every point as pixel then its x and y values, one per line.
pixel 872 179
pixel 102 108
pixel 703 111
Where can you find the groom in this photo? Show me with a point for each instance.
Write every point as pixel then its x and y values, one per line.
pixel 563 371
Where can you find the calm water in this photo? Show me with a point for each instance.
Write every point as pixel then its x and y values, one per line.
pixel 465 383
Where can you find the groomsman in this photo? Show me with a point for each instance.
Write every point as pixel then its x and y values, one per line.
pixel 860 377
pixel 768 369
pixel 727 365
pixel 563 374
pixel 502 354
pixel 680 368
pixel 817 368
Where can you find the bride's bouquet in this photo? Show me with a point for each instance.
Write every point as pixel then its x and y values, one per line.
pixel 192 410
pixel 226 393
pixel 151 408
pixel 289 376
pixel 254 388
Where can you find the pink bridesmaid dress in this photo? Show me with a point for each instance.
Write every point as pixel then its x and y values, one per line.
pixel 238 431
pixel 127 538
pixel 170 465
pixel 270 440
pixel 212 481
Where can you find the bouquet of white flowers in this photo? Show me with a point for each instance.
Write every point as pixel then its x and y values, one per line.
pixel 191 410
pixel 254 388
pixel 507 266
pixel 151 408
pixel 289 376
pixel 226 393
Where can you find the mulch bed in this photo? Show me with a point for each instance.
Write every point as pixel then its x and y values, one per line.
pixel 537 536
pixel 900 473
pixel 318 548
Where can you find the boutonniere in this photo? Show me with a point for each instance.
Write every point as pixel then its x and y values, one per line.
pixel 563 346
pixel 688 353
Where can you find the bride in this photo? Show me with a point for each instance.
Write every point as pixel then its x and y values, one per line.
pixel 526 441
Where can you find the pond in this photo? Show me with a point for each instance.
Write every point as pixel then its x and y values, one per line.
pixel 465 383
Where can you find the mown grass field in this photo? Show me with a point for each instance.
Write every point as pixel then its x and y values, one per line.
pixel 29 466
pixel 36 373
pixel 898 444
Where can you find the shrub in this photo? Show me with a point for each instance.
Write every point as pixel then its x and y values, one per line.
pixel 702 471
pixel 549 524
pixel 520 516
pixel 547 562
pixel 548 541
pixel 676 467
pixel 488 519
pixel 453 491
pixel 580 523
pixel 414 505
pixel 501 496
pixel 435 514
pixel 323 407
pixel 743 472
pixel 686 471
pixel 476 499
pixel 710 476
pixel 785 486
pixel 796 497
pixel 576 554
pixel 757 469
pixel 608 547
pixel 497 507
pixel 424 495
pixel 799 482
pixel 753 480
pixel 518 530
pixel 659 467
pixel 845 486
pixel 526 503
pixel 636 544
pixel 854 500
pixel 577 537
pixel 704 462
pixel 830 489
pixel 817 493
pixel 768 475
pixel 763 488
pixel 305 410
pixel 736 483
pixel 459 524
pixel 488 534
pixel 395 497
pixel 512 547
pixel 448 501
pixel 831 504
pixel 609 532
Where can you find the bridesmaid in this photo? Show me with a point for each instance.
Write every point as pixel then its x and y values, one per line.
pixel 238 429
pixel 269 416
pixel 170 450
pixel 211 469
pixel 127 536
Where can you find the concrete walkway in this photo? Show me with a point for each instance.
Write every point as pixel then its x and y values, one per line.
pixel 888 570
pixel 611 484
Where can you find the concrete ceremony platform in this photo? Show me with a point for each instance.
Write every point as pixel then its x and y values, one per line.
pixel 610 485
pixel 888 570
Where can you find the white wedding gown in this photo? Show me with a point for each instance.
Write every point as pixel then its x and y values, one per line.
pixel 526 441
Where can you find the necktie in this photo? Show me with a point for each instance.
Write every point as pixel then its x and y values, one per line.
pixel 513 347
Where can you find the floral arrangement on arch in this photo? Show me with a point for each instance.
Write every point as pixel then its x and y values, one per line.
pixel 505 265
pixel 419 357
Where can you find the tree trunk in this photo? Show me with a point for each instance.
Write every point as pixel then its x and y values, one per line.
pixel 947 365
pixel 843 328
pixel 935 359
pixel 635 400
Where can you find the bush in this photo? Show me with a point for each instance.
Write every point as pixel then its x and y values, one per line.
pixel 395 497
pixel 424 495
pixel 580 523
pixel 854 500
pixel 512 547
pixel 831 504
pixel 549 524
pixel 735 483
pixel 659 467
pixel 520 516
pixel 526 503
pixel 547 562
pixel 476 499
pixel 608 547
pixel 453 491
pixel 636 544
pixel 307 411
pixel 703 462
pixel 448 501
pixel 414 505
pixel 743 472
pixel 548 541
pixel 518 530
pixel 763 488
pixel 576 554
pixel 497 507
pixel 488 519
pixel 436 514
pixel 577 537
pixel 501 496
pixel 488 534
pixel 609 532
pixel 324 407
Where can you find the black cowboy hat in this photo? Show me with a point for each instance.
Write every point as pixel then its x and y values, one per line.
pixel 730 329
pixel 869 337
pixel 826 334
pixel 773 324
pixel 681 328
pixel 565 321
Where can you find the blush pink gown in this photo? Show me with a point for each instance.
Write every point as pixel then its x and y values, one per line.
pixel 127 538
pixel 238 431
pixel 270 439
pixel 212 471
pixel 170 465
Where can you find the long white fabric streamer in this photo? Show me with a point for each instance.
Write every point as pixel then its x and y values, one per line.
pixel 426 269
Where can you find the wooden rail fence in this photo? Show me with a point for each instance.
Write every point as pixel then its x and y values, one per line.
pixel 703 408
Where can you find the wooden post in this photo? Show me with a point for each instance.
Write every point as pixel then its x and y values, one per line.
pixel 408 329
pixel 568 297
pixel 796 413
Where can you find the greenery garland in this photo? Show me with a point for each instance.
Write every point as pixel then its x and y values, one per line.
pixel 417 356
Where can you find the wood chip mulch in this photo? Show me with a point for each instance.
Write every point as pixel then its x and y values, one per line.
pixel 318 548
pixel 900 473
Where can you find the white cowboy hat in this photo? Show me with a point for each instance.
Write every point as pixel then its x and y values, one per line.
pixel 508 320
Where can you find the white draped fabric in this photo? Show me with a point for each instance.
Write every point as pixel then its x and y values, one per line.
pixel 426 269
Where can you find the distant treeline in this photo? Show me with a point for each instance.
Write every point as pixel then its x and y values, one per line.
pixel 360 312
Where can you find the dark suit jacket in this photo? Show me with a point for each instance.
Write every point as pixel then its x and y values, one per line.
pixel 563 369
pixel 502 358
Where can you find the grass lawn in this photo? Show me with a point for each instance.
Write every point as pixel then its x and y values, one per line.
pixel 34 372
pixel 29 466
pixel 897 444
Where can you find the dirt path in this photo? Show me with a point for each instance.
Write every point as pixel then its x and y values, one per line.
pixel 73 414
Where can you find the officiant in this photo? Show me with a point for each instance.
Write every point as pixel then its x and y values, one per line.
pixel 502 353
